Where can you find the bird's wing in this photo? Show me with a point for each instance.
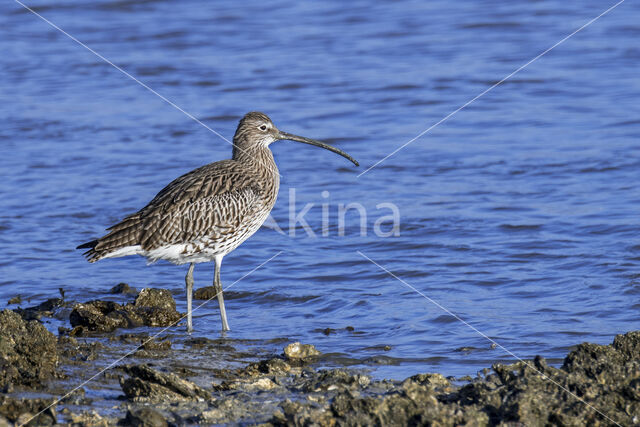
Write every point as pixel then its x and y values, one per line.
pixel 209 202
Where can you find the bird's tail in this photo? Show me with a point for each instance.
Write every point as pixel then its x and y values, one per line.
pixel 122 235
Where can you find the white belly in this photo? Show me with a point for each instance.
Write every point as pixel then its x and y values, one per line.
pixel 200 250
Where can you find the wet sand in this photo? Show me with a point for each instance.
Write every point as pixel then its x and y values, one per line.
pixel 173 379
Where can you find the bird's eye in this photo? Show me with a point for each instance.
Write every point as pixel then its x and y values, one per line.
pixel 263 127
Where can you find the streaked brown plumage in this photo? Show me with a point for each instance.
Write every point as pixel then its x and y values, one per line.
pixel 206 213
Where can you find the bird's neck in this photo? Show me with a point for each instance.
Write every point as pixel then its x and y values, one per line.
pixel 258 157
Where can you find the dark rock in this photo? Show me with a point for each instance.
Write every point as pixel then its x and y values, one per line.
pixel 297 351
pixel 300 414
pixel 146 383
pixel 15 300
pixel 274 366
pixel 247 385
pixel 262 375
pixel 155 298
pixel 99 316
pixel 49 305
pixel 156 307
pixel 130 337
pixel 88 419
pixel 199 342
pixel 28 353
pixel 75 351
pixel 79 331
pixel 152 345
pixel 206 293
pixel 144 417
pixel 153 316
pixel 23 411
pixel 122 288
pixel 628 345
pixel 429 380
pixel 334 379
pixel 237 409
pixel 597 385
pixel 43 309
pixel 152 307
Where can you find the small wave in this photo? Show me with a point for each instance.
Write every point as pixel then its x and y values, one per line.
pixel 206 83
pixel 288 86
pixel 445 319
pixel 598 170
pixel 624 123
pixel 221 118
pixel 492 25
pixel 400 87
pixel 520 227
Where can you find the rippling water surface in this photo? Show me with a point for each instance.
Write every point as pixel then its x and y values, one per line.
pixel 519 214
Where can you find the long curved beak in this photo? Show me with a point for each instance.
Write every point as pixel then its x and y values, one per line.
pixel 292 137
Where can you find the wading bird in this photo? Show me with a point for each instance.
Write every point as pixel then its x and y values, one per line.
pixel 208 212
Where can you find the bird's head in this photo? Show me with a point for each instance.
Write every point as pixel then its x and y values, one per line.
pixel 257 130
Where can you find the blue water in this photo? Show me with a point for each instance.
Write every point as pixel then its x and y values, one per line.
pixel 520 214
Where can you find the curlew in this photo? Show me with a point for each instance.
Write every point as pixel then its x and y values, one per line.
pixel 208 212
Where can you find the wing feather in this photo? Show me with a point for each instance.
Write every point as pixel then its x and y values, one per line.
pixel 207 203
pixel 201 205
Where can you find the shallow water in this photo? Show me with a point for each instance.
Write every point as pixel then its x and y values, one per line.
pixel 519 214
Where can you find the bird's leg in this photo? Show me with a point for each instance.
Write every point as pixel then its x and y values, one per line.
pixel 217 286
pixel 189 281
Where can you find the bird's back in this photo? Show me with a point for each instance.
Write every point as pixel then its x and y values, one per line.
pixel 207 211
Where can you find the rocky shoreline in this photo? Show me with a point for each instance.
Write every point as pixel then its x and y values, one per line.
pixel 144 381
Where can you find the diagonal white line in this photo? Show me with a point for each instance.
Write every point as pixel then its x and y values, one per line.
pixel 144 85
pixel 466 104
pixel 111 365
pixel 484 335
